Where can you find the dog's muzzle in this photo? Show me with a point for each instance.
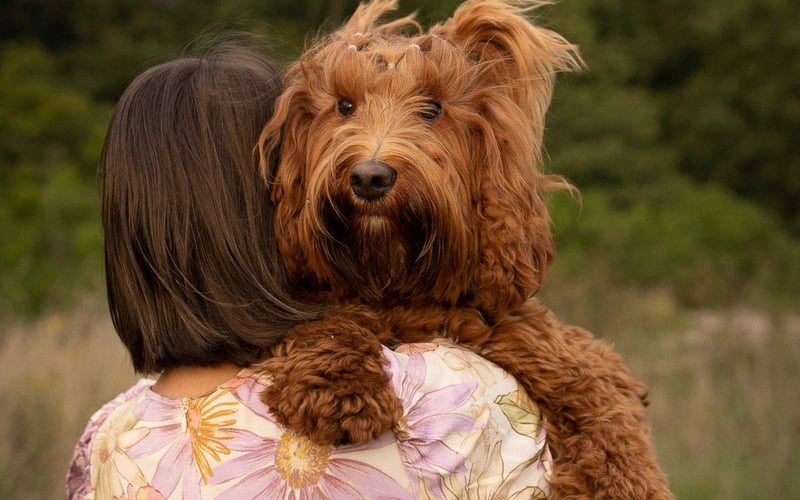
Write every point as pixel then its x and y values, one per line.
pixel 372 179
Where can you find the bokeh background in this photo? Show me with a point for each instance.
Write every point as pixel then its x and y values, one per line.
pixel 684 250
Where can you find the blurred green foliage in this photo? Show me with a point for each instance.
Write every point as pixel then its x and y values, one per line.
pixel 680 134
pixel 703 243
pixel 50 135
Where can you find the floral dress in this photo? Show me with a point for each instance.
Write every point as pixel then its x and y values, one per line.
pixel 469 432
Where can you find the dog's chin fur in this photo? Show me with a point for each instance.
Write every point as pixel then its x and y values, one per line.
pixel 406 246
pixel 455 246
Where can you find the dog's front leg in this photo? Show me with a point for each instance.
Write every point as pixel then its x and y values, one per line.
pixel 328 380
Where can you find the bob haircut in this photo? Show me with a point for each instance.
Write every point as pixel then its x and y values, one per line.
pixel 192 268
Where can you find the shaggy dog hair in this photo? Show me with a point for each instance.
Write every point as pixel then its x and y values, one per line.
pixel 409 197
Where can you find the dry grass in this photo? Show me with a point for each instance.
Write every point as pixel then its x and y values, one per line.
pixel 723 384
pixel 723 388
pixel 56 373
pixel 726 409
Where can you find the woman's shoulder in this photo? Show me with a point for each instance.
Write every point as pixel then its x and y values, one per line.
pixel 135 392
pixel 462 407
pixel 441 365
pixel 78 473
pixel 443 368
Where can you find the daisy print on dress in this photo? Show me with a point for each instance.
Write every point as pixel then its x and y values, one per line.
pixel 291 467
pixel 287 466
pixel 194 431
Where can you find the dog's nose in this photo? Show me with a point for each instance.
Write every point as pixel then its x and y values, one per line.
pixel 372 179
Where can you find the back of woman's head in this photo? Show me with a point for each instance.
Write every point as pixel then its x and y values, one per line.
pixel 192 268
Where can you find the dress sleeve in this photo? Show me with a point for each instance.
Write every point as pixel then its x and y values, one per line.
pixel 79 473
pixel 491 442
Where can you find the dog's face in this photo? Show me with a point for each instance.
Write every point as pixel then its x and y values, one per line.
pixel 408 163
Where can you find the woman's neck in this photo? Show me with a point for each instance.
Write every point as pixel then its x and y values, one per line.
pixel 193 381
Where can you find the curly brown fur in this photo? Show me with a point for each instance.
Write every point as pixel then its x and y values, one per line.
pixel 408 196
pixel 323 380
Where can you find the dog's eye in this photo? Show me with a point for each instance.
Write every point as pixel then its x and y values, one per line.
pixel 431 112
pixel 345 107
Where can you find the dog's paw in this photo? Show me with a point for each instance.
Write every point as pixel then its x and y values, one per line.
pixel 330 410
pixel 331 416
pixel 329 384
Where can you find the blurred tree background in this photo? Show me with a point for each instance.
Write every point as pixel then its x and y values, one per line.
pixel 681 136
pixel 681 133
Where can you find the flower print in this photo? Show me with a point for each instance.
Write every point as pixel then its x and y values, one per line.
pixel 140 493
pixel 472 367
pixel 546 462
pixel 112 469
pixel 530 493
pixel 206 422
pixel 292 467
pixel 485 468
pixel 522 413
pixel 79 476
pixel 428 419
pixel 486 478
pixel 525 419
pixel 417 347
pixel 489 454
pixel 194 430
pixel 247 388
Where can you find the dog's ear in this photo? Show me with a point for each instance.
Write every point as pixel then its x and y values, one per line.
pixel 514 64
pixel 285 137
pixel 510 52
pixel 280 138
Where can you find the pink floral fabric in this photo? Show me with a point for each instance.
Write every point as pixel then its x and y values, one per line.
pixel 468 431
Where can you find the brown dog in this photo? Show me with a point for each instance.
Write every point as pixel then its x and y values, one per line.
pixel 408 197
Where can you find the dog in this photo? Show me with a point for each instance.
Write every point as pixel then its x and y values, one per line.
pixel 404 165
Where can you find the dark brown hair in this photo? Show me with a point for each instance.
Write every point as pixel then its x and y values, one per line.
pixel 192 268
